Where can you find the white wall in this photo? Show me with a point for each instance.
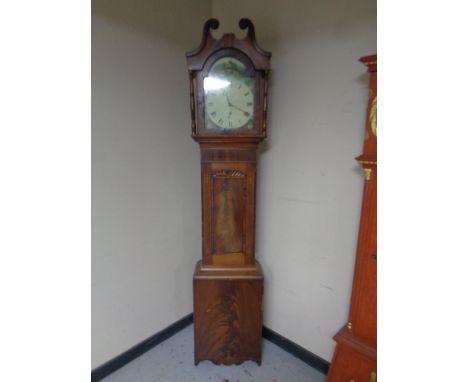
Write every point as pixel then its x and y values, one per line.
pixel 146 172
pixel 309 185
pixel 145 176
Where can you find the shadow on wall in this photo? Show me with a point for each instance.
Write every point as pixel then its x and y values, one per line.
pixel 294 19
pixel 171 20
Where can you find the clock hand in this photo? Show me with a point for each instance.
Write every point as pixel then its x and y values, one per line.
pixel 236 107
pixel 230 107
pixel 229 117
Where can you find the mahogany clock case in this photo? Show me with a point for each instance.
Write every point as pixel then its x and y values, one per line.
pixel 228 281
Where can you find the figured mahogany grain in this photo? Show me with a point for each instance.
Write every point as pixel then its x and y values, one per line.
pixel 228 213
pixel 228 315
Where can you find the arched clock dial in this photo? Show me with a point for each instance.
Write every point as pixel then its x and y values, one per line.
pixel 229 98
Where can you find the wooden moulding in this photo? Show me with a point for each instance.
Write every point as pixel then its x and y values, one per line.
pixel 370 62
pixel 212 272
pixel 347 338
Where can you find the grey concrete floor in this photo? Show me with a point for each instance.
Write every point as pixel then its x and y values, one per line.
pixel 172 361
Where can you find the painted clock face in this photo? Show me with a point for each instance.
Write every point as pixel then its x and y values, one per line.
pixel 229 95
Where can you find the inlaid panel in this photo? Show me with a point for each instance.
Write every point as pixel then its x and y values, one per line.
pixel 228 218
pixel 228 213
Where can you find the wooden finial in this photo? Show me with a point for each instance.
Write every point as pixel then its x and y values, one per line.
pixel 247 24
pixel 206 35
pixel 210 24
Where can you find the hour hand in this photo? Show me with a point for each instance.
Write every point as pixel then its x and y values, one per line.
pixel 236 107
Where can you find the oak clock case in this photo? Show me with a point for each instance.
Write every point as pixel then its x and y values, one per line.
pixel 228 79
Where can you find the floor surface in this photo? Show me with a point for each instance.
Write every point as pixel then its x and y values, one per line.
pixel 172 361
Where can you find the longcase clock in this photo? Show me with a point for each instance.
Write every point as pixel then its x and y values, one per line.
pixel 228 103
pixel 355 358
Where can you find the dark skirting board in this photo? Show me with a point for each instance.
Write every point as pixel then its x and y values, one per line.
pixel 121 360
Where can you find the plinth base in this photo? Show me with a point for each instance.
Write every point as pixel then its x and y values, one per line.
pixel 354 360
pixel 228 314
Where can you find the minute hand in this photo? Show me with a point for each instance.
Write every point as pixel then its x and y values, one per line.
pixel 236 107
